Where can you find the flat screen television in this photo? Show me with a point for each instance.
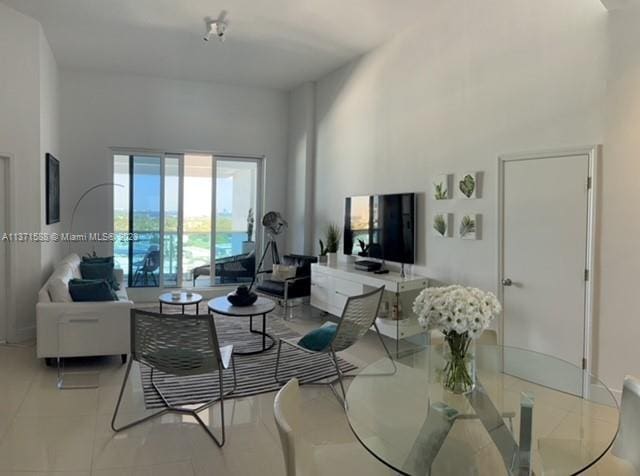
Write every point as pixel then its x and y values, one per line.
pixel 381 227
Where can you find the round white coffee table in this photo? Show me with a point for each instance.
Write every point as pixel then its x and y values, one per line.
pixel 261 307
pixel 184 300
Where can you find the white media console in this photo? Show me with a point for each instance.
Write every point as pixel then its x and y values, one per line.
pixel 331 285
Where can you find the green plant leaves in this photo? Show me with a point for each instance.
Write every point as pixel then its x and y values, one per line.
pixel 441 191
pixel 333 238
pixel 440 224
pixel 467 226
pixel 467 185
pixel 323 250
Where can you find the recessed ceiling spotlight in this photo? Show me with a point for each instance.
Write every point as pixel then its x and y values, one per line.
pixel 217 27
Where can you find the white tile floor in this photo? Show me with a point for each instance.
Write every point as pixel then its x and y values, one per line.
pixel 45 431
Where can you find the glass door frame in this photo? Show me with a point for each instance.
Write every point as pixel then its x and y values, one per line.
pixel 258 212
pixel 132 154
pixel 259 160
pixel 180 158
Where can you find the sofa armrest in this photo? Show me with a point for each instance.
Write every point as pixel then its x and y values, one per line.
pixel 95 328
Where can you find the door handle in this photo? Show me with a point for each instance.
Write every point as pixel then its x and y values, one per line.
pixel 507 282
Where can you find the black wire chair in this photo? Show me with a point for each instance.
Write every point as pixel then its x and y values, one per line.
pixel 147 269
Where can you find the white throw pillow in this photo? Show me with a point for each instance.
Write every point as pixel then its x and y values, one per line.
pixel 283 272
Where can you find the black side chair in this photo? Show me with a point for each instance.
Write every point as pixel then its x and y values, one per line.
pixel 147 269
pixel 293 288
pixel 232 269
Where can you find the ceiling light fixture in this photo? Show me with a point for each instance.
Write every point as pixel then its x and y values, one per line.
pixel 219 26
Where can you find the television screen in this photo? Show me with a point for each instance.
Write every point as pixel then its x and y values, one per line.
pixel 381 226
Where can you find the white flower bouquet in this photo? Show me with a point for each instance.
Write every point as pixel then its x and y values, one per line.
pixel 461 314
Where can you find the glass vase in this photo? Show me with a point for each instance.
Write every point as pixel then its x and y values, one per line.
pixel 459 373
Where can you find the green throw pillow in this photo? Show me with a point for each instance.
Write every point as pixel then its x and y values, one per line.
pixel 99 270
pixel 320 338
pixel 91 290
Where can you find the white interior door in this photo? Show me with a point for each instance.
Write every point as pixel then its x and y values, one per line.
pixel 4 218
pixel 545 253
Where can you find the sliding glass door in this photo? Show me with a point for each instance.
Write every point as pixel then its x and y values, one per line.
pixel 236 202
pixel 167 202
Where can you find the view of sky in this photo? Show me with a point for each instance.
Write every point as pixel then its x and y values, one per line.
pixel 197 192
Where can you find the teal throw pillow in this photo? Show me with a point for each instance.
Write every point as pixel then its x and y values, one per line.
pixel 91 290
pixel 320 338
pixel 97 259
pixel 99 270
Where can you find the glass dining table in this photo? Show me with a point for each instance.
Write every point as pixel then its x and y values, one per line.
pixel 529 413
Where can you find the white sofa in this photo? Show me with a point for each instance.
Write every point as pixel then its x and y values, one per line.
pixel 80 329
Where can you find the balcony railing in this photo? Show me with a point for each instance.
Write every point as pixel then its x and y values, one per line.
pixel 196 251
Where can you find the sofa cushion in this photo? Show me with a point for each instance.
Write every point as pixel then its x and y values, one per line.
pixel 276 288
pixel 72 260
pixel 320 338
pixel 91 290
pixel 99 270
pixel 58 286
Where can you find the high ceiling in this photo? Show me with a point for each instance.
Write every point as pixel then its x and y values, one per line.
pixel 272 43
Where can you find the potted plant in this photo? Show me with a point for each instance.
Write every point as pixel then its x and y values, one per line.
pixel 333 243
pixel 322 257
pixel 461 314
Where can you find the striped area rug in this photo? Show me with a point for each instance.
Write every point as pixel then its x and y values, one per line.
pixel 255 372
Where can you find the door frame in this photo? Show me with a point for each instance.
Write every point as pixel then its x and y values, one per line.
pixel 593 154
pixel 7 160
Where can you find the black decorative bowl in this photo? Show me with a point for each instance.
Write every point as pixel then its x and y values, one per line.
pixel 242 297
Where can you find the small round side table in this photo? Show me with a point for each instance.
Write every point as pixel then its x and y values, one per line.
pixel 261 307
pixel 184 300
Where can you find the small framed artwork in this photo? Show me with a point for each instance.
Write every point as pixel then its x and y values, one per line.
pixel 442 187
pixel 469 228
pixel 52 189
pixel 442 223
pixel 468 185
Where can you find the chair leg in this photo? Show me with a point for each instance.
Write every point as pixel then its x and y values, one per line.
pixel 117 409
pixel 384 346
pixel 206 428
pixel 343 399
pixel 334 359
pixel 171 409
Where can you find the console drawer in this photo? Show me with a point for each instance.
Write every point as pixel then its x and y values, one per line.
pixel 342 289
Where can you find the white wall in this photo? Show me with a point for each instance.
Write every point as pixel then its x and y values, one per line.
pixel 619 260
pixel 51 252
pixel 300 169
pixel 474 81
pixel 100 111
pixel 20 39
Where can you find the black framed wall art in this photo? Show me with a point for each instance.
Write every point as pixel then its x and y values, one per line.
pixel 52 189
